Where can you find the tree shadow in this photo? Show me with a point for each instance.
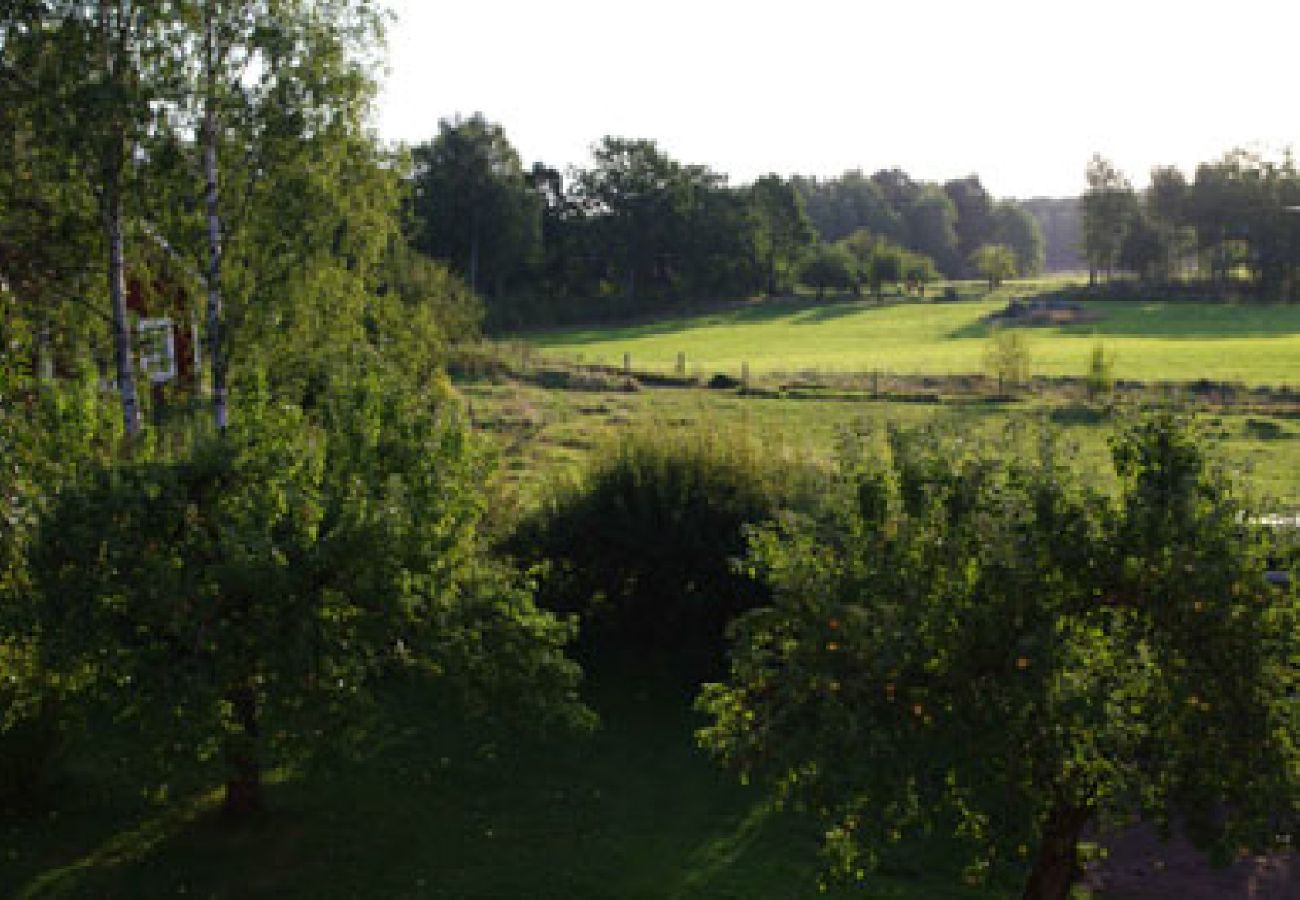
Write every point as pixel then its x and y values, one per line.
pixel 1161 319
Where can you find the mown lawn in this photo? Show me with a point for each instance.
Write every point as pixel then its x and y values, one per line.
pixel 436 809
pixel 1151 340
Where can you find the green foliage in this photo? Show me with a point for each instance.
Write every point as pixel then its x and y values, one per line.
pixel 995 263
pixel 33 728
pixel 974 644
pixel 976 225
pixel 919 271
pixel 827 266
pixel 784 229
pixel 48 432
pixel 643 547
pixel 1016 228
pixel 238 598
pixel 472 204
pixel 1007 358
pixel 1109 206
pixel 1100 378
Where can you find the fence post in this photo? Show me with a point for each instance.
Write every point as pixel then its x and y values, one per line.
pixel 681 364
pixel 627 363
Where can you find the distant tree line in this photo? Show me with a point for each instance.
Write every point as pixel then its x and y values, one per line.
pixel 1234 227
pixel 1060 220
pixel 635 230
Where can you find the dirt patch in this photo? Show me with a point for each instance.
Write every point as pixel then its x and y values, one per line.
pixel 1139 866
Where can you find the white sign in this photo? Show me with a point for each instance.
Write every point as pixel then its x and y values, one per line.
pixel 157 349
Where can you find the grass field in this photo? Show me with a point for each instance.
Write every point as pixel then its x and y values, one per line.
pixel 1151 341
pixel 546 433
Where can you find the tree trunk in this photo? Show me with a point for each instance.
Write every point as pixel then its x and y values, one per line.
pixel 1057 865
pixel 217 362
pixel 112 161
pixel 244 782
pixel 117 297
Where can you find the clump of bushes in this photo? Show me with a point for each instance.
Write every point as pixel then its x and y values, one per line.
pixel 644 547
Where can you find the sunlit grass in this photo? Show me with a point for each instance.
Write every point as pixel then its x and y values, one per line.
pixel 1152 341
pixel 545 434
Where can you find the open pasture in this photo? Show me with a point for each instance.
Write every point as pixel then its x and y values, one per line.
pixel 546 433
pixel 1151 341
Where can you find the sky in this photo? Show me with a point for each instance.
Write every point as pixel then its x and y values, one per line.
pixel 1021 93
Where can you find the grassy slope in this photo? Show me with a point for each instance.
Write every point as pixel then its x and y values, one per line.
pixel 635 811
pixel 1152 341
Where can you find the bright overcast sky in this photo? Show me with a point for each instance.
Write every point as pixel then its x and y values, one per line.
pixel 1021 92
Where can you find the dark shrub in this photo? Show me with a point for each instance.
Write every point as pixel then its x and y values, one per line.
pixel 31 730
pixel 644 547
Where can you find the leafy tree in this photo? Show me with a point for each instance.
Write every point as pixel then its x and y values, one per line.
pixel 239 601
pixel 899 190
pixel 919 271
pixel 840 206
pixel 784 229
pixel 1167 209
pixel 1143 251
pixel 1014 227
pixel 472 203
pixel 995 263
pixel 91 76
pixel 932 228
pixel 976 223
pixel 1100 377
pixel 634 191
pixel 1006 357
pixel 861 246
pixel 1109 205
pixel 827 266
pixel 1060 221
pixel 887 266
pixel 50 233
pixel 976 645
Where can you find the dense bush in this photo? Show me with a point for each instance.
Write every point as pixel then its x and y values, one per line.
pixel 239 598
pixel 645 546
pixel 33 726
pixel 48 432
pixel 976 644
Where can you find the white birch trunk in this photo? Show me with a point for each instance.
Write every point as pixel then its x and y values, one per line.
pixel 113 160
pixel 216 358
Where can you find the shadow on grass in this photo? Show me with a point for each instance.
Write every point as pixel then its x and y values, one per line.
pixel 441 810
pixel 1163 319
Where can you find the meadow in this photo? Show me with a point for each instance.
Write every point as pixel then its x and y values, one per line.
pixel 1152 341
